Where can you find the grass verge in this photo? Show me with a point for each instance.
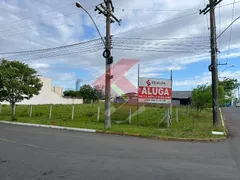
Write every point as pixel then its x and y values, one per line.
pixel 190 123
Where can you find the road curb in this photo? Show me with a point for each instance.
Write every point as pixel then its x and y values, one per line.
pixel 166 138
pixel 49 126
pixel 117 133
pixel 223 123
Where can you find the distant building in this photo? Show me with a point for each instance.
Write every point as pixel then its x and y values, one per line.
pixel 49 95
pixel 181 97
pixel 58 90
pixel 78 84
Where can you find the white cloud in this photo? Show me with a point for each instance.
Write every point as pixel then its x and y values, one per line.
pixel 206 79
pixel 68 25
pixel 9 7
pixel 37 65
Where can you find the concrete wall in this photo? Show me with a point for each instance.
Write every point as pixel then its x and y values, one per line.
pixel 176 102
pixel 47 96
pixel 58 90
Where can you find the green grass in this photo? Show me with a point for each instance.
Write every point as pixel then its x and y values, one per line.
pixel 190 125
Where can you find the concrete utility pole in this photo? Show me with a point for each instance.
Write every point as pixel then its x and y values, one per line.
pixel 106 9
pixel 238 93
pixel 214 66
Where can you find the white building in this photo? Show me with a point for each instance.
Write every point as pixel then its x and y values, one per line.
pixel 49 95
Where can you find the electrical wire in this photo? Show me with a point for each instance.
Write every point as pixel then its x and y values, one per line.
pixel 56 54
pixel 138 44
pixel 230 4
pixel 171 42
pixel 206 16
pixel 165 10
pixel 30 25
pixel 168 38
pixel 151 25
pixel 228 27
pixel 230 33
pixel 54 48
pixel 61 7
pixel 143 9
pixel 219 40
pixel 42 28
pixel 162 46
pixel 170 45
pixel 155 50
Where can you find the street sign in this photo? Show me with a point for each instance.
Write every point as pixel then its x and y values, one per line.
pixel 155 90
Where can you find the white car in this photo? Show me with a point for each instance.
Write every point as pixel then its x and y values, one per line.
pixel 238 104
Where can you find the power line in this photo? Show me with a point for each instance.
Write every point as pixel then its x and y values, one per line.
pixel 230 4
pixel 220 29
pixel 164 50
pixel 206 16
pixel 97 41
pixel 171 42
pixel 228 27
pixel 64 15
pixel 55 54
pixel 163 10
pixel 143 9
pixel 230 33
pixel 61 7
pixel 154 50
pixel 42 28
pixel 155 44
pixel 95 45
pixel 137 29
pixel 163 39
pixel 162 44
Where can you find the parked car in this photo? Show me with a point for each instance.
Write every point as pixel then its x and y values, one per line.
pixel 238 104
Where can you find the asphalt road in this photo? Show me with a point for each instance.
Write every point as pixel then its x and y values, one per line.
pixel 28 153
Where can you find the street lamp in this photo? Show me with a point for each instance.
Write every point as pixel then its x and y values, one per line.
pixel 80 6
pixel 107 54
pixel 226 69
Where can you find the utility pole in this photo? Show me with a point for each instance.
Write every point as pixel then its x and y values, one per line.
pixel 238 93
pixel 107 9
pixel 213 67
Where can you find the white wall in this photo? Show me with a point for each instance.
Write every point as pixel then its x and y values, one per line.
pixel 47 96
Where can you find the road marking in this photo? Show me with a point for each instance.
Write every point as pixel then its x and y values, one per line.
pixel 39 132
pixel 50 126
pixel 217 133
pixel 23 144
pixel 223 124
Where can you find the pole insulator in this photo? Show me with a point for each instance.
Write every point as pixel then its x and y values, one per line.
pixel 106 53
pixel 210 67
pixel 110 60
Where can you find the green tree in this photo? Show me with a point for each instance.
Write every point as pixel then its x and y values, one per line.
pixel 98 93
pixel 229 85
pixel 202 97
pixel 17 82
pixel 86 92
pixel 71 93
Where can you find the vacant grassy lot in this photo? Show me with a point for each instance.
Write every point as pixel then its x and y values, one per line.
pixel 190 124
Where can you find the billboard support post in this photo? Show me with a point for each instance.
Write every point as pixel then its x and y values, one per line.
pixel 157 91
pixel 171 98
pixel 168 117
pixel 138 92
pixel 164 117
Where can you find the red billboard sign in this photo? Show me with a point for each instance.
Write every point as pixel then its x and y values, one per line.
pixel 155 90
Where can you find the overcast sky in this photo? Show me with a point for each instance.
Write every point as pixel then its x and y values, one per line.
pixel 37 24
